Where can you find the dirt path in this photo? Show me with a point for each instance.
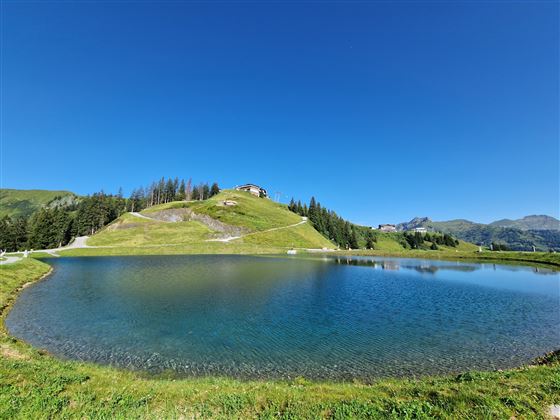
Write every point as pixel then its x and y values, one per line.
pixel 134 213
pixel 78 242
pixel 233 238
pixel 9 260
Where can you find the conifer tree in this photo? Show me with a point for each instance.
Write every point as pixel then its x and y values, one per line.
pixel 215 189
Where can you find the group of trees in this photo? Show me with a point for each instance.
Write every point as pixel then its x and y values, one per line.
pixel 55 226
pixel 495 246
pixel 166 190
pixel 343 233
pixel 348 235
pixel 51 227
pixel 418 240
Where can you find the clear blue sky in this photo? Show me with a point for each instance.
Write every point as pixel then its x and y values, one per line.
pixel 383 111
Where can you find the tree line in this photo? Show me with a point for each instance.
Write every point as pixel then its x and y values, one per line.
pixel 343 233
pixel 52 227
pixel 347 235
pixel 165 191
pixel 418 240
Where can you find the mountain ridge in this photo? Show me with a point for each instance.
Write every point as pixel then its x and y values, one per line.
pixel 521 234
pixel 14 202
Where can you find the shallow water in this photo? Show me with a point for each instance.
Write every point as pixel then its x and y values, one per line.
pixel 277 317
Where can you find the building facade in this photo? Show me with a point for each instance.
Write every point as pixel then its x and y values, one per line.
pixel 253 189
pixel 387 228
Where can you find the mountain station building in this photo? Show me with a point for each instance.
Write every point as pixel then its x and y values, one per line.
pixel 253 189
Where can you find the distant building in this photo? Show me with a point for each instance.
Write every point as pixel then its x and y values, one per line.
pixel 387 228
pixel 421 230
pixel 253 189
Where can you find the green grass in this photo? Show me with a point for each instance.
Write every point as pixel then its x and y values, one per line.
pixel 186 249
pixel 25 202
pixel 250 212
pixel 301 236
pixel 135 235
pixel 131 231
pixel 36 385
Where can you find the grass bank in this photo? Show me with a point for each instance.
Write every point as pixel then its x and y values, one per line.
pixel 257 244
pixel 36 385
pixel 514 257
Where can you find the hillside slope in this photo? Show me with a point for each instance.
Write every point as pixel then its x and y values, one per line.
pixel 25 202
pixel 230 222
pixel 211 225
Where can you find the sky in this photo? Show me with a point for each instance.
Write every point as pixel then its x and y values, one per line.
pixel 381 110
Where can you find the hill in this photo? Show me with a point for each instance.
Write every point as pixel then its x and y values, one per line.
pixel 479 233
pixel 231 220
pixel 534 222
pixel 25 202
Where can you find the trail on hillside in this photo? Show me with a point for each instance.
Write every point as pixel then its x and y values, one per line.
pixel 227 238
pixel 142 216
pixel 78 242
pixel 187 215
pixel 9 260
pixel 233 238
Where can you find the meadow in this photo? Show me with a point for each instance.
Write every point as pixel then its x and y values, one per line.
pixel 36 385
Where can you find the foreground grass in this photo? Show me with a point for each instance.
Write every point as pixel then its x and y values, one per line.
pixel 36 385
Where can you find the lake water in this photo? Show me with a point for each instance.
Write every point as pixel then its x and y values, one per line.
pixel 282 317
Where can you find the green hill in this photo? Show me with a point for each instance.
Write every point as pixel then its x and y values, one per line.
pixel 230 222
pixel 25 202
pixel 247 224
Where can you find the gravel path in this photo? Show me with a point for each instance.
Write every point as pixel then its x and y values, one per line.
pixel 9 260
pixel 79 242
pixel 134 213
pixel 233 238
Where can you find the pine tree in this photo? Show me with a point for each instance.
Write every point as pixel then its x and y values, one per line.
pixel 215 189
pixel 195 194
pixel 292 206
pixel 369 242
pixel 180 195
pixel 189 190
pixel 205 191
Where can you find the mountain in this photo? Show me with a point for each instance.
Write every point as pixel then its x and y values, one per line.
pixel 478 233
pixel 25 202
pixel 534 222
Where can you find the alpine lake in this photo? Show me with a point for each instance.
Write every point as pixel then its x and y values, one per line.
pixel 318 317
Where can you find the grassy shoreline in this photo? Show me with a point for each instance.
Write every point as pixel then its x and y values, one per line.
pixel 513 257
pixel 37 385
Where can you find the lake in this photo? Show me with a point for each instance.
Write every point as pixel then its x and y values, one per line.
pixel 283 317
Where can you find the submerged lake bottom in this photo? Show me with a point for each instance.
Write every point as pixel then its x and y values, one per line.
pixel 325 318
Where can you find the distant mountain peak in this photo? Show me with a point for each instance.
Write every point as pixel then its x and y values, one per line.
pixel 541 231
pixel 420 220
pixel 531 222
pixel 415 223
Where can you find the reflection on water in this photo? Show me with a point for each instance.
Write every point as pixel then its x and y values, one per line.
pixel 319 317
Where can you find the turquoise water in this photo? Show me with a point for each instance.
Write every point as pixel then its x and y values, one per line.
pixel 280 317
